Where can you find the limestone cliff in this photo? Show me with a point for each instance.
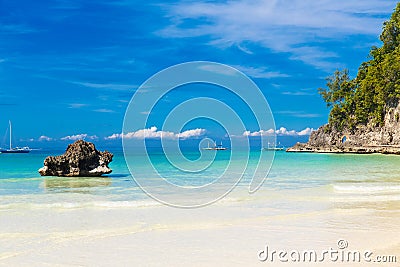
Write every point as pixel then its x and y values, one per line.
pixel 364 111
pixel 363 139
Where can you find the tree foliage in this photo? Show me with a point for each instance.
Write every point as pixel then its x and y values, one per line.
pixel 376 88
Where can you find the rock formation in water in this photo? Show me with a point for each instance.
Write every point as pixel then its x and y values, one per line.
pixel 80 159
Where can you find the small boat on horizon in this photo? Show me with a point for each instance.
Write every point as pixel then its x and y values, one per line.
pixel 274 148
pixel 15 150
pixel 215 147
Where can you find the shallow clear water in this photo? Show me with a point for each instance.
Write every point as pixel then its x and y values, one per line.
pixel 357 179
pixel 309 201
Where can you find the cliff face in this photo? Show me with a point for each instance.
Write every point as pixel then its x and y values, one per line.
pixel 364 139
pixel 366 109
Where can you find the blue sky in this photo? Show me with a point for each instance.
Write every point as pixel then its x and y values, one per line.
pixel 69 68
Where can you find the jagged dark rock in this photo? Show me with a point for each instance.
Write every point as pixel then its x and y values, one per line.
pixel 80 159
pixel 363 139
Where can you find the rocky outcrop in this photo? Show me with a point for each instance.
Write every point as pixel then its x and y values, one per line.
pixel 80 159
pixel 363 139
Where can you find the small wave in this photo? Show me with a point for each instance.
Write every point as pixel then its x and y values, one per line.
pixel 126 204
pixel 367 199
pixel 367 189
pixel 78 205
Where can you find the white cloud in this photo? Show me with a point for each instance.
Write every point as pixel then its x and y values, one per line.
pixel 259 133
pixel 45 138
pixel 306 131
pixel 281 25
pixel 191 133
pixel 153 132
pixel 79 137
pixel 281 131
pixel 113 137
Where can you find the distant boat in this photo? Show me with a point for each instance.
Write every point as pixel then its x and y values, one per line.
pixel 15 150
pixel 274 148
pixel 215 147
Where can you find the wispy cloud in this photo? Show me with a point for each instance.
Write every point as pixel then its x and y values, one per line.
pixel 16 29
pixel 77 105
pixel 220 69
pixel 281 132
pixel 297 93
pixel 283 26
pixel 111 86
pixel 245 49
pixel 298 114
pixel 260 72
pixel 79 137
pixel 255 72
pixel 317 57
pixel 104 110
pixel 307 115
pixel 2 60
pixel 300 92
pixel 154 133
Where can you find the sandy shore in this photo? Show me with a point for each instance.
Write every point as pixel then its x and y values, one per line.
pixel 228 233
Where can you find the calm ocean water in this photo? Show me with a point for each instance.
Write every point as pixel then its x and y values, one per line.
pixel 348 178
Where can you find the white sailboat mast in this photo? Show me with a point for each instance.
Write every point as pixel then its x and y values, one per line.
pixel 10 134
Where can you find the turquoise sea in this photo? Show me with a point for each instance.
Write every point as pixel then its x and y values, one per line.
pixel 308 201
pixel 363 179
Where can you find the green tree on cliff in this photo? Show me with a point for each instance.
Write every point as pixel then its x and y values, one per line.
pixel 377 86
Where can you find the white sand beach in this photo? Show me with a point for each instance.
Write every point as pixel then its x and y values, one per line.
pixel 228 233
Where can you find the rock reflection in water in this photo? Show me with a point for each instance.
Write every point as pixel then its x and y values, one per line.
pixel 76 182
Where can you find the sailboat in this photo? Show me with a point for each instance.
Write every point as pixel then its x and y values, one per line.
pixel 274 148
pixel 215 147
pixel 15 150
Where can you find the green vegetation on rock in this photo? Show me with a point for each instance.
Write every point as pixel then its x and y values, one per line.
pixel 365 99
